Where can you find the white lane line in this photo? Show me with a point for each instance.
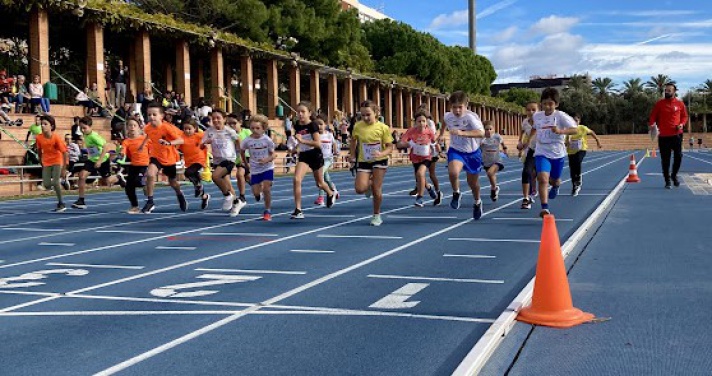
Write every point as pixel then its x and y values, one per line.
pixel 529 219
pixel 295 310
pixel 331 216
pixel 56 244
pixel 493 240
pixel 360 236
pixel 255 271
pixel 97 266
pixel 131 232
pixel 116 313
pixel 176 248
pixel 254 234
pixel 155 300
pixel 420 217
pixel 309 251
pixel 471 256
pixel 33 229
pixel 416 278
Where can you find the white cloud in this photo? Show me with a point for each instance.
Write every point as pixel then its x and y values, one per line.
pixel 650 13
pixel 461 17
pixel 554 25
pixel 505 35
pixel 553 54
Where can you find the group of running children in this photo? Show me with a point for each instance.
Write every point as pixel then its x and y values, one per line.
pixel 545 139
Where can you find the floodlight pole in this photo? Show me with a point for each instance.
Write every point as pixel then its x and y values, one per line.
pixel 473 26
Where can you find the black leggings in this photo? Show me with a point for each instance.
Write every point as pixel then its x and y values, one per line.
pixel 575 161
pixel 136 179
pixel 668 145
pixel 529 170
pixel 192 173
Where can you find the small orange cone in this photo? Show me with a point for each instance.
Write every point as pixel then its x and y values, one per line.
pixel 551 303
pixel 633 170
pixel 654 154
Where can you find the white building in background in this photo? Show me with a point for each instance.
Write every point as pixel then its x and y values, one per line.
pixel 365 14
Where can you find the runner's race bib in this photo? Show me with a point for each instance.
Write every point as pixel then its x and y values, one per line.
pixel 370 150
pixel 422 150
pixel 302 147
pixel 575 144
pixel 259 154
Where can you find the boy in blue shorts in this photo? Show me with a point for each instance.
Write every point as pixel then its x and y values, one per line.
pixel 551 128
pixel 466 133
pixel 261 148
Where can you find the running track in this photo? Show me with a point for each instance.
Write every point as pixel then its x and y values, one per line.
pixel 99 291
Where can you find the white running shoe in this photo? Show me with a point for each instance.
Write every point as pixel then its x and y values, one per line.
pixel 236 207
pixel 227 204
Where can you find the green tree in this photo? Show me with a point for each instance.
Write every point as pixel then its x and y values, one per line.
pixel 658 83
pixel 520 96
pixel 633 87
pixel 603 87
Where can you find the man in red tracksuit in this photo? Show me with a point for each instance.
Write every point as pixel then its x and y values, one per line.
pixel 670 115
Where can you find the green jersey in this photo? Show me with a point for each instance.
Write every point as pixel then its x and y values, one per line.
pixel 94 143
pixel 243 134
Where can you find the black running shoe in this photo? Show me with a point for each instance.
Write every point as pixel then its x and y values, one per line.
pixel 439 199
pixel 544 212
pixel 675 182
pixel 414 192
pixel 297 214
pixel 330 200
pixel 668 185
pixel 60 208
pixel 79 204
pixel 204 201
pixel 455 203
pixel 198 190
pixel 477 211
pixel 122 180
pixel 182 203
pixel 148 208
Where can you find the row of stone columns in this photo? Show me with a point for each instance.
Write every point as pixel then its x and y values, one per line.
pixel 398 103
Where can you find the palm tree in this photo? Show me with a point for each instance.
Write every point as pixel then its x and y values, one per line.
pixel 603 87
pixel 632 87
pixel 578 82
pixel 658 83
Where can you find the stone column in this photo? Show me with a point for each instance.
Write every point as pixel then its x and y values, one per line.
pixel 143 61
pixel 348 95
pixel 362 91
pixel 217 77
pixel 388 104
pixel 333 88
pixel 183 70
pixel 39 45
pixel 95 57
pixel 201 79
pixel 249 101
pixel 272 88
pixel 169 77
pixel 376 93
pixel 399 108
pixel 314 91
pixel 408 108
pixel 294 86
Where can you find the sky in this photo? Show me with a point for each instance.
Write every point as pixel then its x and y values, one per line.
pixel 620 39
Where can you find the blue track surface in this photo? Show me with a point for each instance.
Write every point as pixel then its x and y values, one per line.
pixel 648 269
pixel 202 293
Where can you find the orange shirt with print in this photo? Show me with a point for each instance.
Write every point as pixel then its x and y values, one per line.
pixel 166 155
pixel 52 149
pixel 194 152
pixel 138 158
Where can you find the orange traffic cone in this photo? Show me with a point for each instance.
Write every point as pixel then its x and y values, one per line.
pixel 551 303
pixel 654 155
pixel 633 170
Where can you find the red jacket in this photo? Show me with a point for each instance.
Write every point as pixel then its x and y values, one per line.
pixel 668 114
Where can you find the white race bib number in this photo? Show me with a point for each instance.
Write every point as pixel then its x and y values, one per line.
pixel 370 151
pixel 575 144
pixel 327 149
pixel 421 150
pixel 259 154
pixel 302 147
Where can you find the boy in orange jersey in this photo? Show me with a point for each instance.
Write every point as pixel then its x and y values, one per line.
pixel 139 157
pixel 54 156
pixel 164 156
pixel 195 154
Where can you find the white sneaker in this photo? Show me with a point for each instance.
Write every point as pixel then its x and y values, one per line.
pixel 376 220
pixel 236 207
pixel 227 204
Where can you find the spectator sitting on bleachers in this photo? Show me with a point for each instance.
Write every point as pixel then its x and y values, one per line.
pixel 83 100
pixel 6 86
pixel 22 96
pixel 37 96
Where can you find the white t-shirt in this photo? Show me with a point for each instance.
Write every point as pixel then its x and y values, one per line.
pixel 259 149
pixel 327 145
pixel 527 128
pixel 548 143
pixel 467 122
pixel 490 150
pixel 222 143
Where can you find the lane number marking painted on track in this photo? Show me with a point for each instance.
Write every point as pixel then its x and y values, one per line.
pixel 399 299
pixel 24 279
pixel 172 291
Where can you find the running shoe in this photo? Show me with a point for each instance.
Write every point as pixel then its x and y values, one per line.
pixel 419 202
pixel 205 201
pixel 532 199
pixel 148 208
pixel 336 191
pixel 134 210
pixel 330 200
pixel 258 197
pixel 227 202
pixel 414 192
pixel 668 185
pixel 439 199
pixel 297 214
pixel 376 220
pixel 79 204
pixel 553 192
pixel 198 190
pixel 526 204
pixel 182 203
pixel 319 201
pixel 576 190
pixel 60 208
pixel 236 207
pixel 431 192
pixel 477 211
pixel 65 185
pixel 494 193
pixel 675 182
pixel 122 180
pixel 544 212
pixel 456 198
pixel 266 216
